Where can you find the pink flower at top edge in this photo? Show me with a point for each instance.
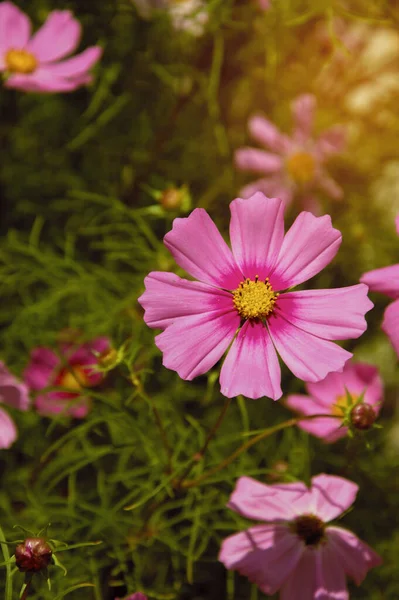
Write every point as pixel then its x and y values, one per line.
pixel 329 397
pixel 386 281
pixel 75 372
pixel 136 596
pixel 295 550
pixel 264 4
pixel 33 63
pixel 296 164
pixel 13 393
pixel 239 300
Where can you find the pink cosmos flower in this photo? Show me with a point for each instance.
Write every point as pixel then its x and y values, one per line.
pixel 329 397
pixel 237 301
pixel 295 164
pixel 73 371
pixel 386 281
pixel 295 550
pixel 33 63
pixel 13 393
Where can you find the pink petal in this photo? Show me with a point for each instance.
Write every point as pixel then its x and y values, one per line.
pixel 256 233
pixel 332 141
pixel 265 133
pixel 41 81
pixel 39 372
pixel 302 578
pixel 329 186
pixel 257 161
pixel 385 280
pixel 330 576
pixel 199 249
pixel 324 428
pixel 192 345
pixel 168 298
pixel 15 27
pixel 8 431
pixel 265 554
pixel 309 245
pixel 74 67
pixel 57 37
pixel 390 324
pixel 356 557
pixel 303 109
pixel 331 496
pixel 85 354
pixel 309 357
pixel 251 367
pixel 334 314
pixel 261 502
pixel 272 187
pixel 66 403
pixel 12 391
pixel 264 4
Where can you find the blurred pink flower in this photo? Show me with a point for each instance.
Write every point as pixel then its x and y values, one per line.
pixel 13 393
pixel 32 63
pixel 264 4
pixel 295 550
pixel 296 163
pixel 386 281
pixel 238 293
pixel 74 372
pixel 136 596
pixel 329 397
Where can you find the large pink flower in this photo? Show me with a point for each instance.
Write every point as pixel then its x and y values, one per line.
pixel 386 281
pixel 329 397
pixel 73 371
pixel 295 550
pixel 236 302
pixel 13 393
pixel 295 164
pixel 33 63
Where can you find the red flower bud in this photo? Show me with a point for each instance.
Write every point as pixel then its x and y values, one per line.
pixel 362 416
pixel 33 555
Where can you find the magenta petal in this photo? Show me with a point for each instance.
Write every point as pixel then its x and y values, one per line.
pixel 330 576
pixel 266 133
pixel 76 66
pixel 65 403
pixel 303 109
pixel 251 367
pixel 324 428
pixel 335 314
pixel 8 431
pixel 39 372
pixel 266 554
pixel 14 27
pixel 356 557
pixel 256 233
pixel 278 502
pixel 199 249
pixel 302 579
pixel 329 186
pixel 43 82
pixel 331 496
pixel 384 280
pixel 309 357
pixel 309 245
pixel 257 161
pixel 15 395
pixel 57 37
pixel 192 345
pixel 390 324
pixel 332 141
pixel 168 297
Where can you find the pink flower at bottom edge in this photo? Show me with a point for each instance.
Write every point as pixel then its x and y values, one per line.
pixel 292 165
pixel 74 373
pixel 13 393
pixel 295 550
pixel 239 301
pixel 329 397
pixel 33 63
pixel 386 281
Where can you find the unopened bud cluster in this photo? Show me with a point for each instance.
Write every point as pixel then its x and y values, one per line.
pixel 33 555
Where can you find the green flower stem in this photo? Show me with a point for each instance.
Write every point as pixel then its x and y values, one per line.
pixel 159 423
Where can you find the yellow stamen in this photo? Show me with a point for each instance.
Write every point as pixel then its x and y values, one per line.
pixel 340 405
pixel 254 299
pixel 74 379
pixel 20 61
pixel 301 167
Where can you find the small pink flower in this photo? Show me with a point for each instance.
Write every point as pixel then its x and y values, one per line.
pixel 329 397
pixel 386 281
pixel 295 550
pixel 237 301
pixel 32 63
pixel 74 370
pixel 13 393
pixel 296 163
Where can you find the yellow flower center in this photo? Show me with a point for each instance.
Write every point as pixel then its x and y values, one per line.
pixel 74 379
pixel 254 299
pixel 20 61
pixel 301 167
pixel 340 405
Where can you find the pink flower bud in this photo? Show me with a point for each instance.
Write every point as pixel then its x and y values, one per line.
pixel 33 555
pixel 362 416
